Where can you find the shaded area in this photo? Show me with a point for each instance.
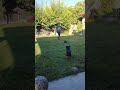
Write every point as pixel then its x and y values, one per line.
pixel 102 55
pixel 21 41
pixel 52 62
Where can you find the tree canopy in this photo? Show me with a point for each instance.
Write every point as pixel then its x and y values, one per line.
pixel 28 5
pixel 105 6
pixel 1 8
pixel 8 6
pixel 58 12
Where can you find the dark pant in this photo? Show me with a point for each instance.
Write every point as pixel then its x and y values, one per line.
pixel 58 34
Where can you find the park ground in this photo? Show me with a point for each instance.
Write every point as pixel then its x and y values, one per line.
pixel 17 45
pixel 51 61
pixel 102 55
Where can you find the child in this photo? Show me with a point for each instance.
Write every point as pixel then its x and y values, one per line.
pixel 39 27
pixel 68 50
pixel 58 29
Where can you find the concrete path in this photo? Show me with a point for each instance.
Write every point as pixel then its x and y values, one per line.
pixel 74 82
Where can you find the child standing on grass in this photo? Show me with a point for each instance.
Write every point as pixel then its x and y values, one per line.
pixel 39 27
pixel 58 30
pixel 68 50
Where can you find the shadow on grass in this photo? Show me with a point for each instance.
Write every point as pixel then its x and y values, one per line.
pixel 52 62
pixel 102 55
pixel 20 39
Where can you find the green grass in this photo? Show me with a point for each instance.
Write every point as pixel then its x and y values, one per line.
pixel 51 61
pixel 17 56
pixel 102 55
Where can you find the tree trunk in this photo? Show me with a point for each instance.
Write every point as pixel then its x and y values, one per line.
pixel 7 18
pixel 18 16
pixel 4 17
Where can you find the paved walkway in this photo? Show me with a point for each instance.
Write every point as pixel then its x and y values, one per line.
pixel 74 82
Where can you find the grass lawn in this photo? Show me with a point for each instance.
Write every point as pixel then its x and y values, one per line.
pixel 17 56
pixel 102 55
pixel 51 61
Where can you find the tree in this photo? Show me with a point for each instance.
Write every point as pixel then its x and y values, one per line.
pixel 89 4
pixel 106 6
pixel 38 15
pixel 8 6
pixel 1 8
pixel 27 5
pixel 58 12
pixel 102 6
pixel 79 8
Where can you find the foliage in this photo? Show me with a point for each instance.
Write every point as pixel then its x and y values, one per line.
pixel 8 6
pixel 106 6
pixel 58 12
pixel 79 25
pixel 79 9
pixel 1 8
pixel 28 5
pixel 38 15
pixel 89 4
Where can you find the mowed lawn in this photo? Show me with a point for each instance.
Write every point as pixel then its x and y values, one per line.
pixel 17 56
pixel 102 55
pixel 52 63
